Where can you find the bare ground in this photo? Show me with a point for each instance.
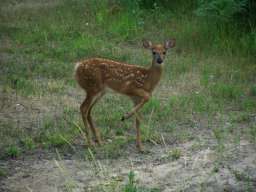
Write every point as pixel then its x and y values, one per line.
pixel 199 168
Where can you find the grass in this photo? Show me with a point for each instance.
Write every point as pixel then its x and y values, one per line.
pixel 240 176
pixel 3 173
pixel 28 143
pixel 12 151
pixel 210 76
pixel 132 187
pixel 175 154
pixel 208 86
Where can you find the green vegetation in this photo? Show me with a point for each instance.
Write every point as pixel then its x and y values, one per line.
pixel 207 92
pixel 28 143
pixel 12 151
pixel 175 154
pixel 209 76
pixel 243 177
pixel 132 187
pixel 2 172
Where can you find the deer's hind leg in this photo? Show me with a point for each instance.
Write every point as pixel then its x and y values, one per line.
pixel 92 126
pixel 85 108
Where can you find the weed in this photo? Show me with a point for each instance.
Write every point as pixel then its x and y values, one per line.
pixel 69 184
pixel 175 154
pixel 226 91
pixel 153 104
pixel 3 172
pixel 184 135
pixel 219 135
pixel 149 132
pixel 56 140
pixel 253 133
pixel 253 90
pixel 240 117
pixel 13 151
pixel 131 185
pixel 248 104
pixel 28 143
pixel 241 176
pixel 216 169
pixel 113 149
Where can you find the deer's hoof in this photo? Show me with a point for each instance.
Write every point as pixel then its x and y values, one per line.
pixel 123 118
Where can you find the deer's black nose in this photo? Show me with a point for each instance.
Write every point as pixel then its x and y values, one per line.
pixel 159 60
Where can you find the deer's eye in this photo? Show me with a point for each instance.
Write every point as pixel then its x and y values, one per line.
pixel 164 53
pixel 154 52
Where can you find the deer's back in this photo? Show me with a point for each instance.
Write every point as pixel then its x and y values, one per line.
pixel 113 74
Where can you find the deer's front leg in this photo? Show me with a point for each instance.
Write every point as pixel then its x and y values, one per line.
pixel 144 97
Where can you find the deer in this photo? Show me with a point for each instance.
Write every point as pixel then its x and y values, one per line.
pixel 95 75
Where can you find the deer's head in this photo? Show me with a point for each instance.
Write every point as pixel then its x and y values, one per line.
pixel 159 50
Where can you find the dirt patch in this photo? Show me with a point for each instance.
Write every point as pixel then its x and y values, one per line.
pixel 195 170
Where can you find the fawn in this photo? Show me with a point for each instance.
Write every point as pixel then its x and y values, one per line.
pixel 96 74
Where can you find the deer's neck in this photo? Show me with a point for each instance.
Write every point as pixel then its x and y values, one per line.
pixel 155 73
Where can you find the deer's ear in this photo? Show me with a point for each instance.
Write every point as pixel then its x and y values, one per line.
pixel 170 43
pixel 147 44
